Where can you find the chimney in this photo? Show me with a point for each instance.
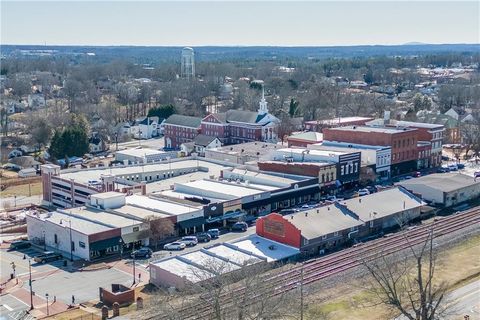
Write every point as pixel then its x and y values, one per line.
pixel 386 117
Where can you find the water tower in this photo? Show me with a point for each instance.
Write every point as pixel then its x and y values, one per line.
pixel 188 63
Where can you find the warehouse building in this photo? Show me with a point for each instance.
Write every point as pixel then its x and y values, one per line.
pixel 326 228
pixel 444 189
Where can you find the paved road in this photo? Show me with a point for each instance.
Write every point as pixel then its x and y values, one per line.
pixel 20 201
pixel 57 281
pixel 227 237
pixel 464 301
pixel 461 302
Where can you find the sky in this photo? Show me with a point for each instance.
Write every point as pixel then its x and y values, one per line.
pixel 244 23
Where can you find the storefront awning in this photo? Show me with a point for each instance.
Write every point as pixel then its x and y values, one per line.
pixel 104 244
pixel 228 215
pixel 190 223
pixel 135 236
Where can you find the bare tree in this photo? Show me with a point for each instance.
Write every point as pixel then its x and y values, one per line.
pixel 227 293
pixel 406 284
pixel 160 229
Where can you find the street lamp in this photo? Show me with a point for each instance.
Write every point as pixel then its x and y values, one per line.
pixel 44 241
pixel 121 248
pixel 71 243
pixel 133 254
pixel 46 296
pixel 116 141
pixel 30 283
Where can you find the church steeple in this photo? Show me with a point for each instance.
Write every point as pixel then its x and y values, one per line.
pixel 263 109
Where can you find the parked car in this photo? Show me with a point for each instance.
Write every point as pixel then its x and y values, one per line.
pixel 47 257
pixel 453 167
pixel 363 192
pixel 240 226
pixel 371 189
pixel 19 244
pixel 203 237
pixel 460 166
pixel 142 253
pixel 214 233
pixel 417 174
pixel 305 206
pixel 442 170
pixel 287 211
pixel 175 246
pixel 189 241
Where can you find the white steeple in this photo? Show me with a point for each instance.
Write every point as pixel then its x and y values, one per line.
pixel 263 109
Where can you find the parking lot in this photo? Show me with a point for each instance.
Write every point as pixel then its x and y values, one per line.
pixel 62 282
pixel 56 280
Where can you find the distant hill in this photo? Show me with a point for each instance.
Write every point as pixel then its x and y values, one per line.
pixel 142 54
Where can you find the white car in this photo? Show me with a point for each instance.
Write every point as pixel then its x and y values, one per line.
pixel 363 192
pixel 175 246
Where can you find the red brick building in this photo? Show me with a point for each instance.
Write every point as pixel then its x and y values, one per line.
pixel 428 132
pixel 403 143
pixel 179 129
pixel 238 126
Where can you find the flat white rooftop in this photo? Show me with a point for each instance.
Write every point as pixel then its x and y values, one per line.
pixel 239 257
pixel 139 152
pixel 211 262
pixel 85 175
pixel 84 226
pixel 181 268
pixel 271 250
pixel 226 188
pixel 101 217
pixel 168 207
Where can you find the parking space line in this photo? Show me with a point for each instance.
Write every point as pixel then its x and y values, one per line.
pixel 6 306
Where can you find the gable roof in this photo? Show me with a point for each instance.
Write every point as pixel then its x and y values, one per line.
pixel 185 121
pixel 243 116
pixel 203 140
pixel 323 220
pixel 221 117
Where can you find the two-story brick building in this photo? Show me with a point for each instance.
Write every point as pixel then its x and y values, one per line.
pixel 403 143
pixel 239 126
pixel 428 132
pixel 179 129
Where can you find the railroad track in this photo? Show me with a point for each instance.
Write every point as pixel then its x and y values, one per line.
pixel 323 267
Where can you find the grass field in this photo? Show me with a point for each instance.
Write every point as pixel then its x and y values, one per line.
pixel 23 190
pixel 457 266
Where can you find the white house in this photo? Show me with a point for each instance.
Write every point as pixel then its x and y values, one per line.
pixel 145 128
pixel 203 142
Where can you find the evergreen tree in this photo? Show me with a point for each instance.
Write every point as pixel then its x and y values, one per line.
pixel 162 112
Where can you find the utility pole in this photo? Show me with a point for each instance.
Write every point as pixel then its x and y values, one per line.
pixel 133 265
pixel 30 283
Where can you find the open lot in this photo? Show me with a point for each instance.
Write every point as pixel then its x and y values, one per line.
pixel 349 300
